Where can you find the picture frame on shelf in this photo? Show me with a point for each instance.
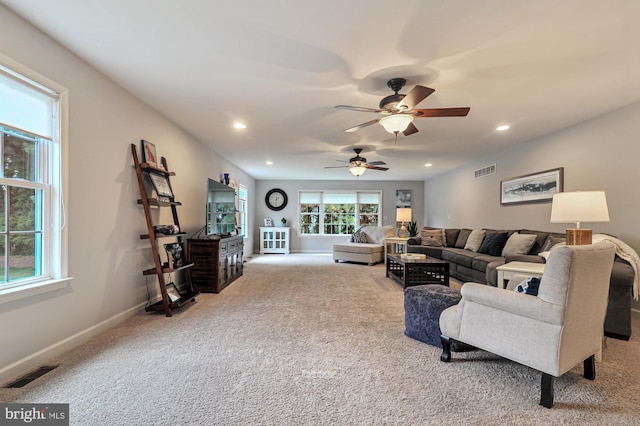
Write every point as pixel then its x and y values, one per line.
pixel 173 293
pixel 532 188
pixel 161 185
pixel 174 255
pixel 268 221
pixel 149 155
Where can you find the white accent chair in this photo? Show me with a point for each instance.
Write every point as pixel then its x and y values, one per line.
pixel 551 332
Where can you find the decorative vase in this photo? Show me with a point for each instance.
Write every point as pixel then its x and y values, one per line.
pixel 226 178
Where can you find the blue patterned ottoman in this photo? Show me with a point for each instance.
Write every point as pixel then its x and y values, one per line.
pixel 423 305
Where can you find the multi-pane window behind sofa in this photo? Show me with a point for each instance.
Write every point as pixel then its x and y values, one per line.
pixel 338 213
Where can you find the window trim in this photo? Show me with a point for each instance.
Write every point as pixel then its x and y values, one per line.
pixel 58 245
pixel 244 213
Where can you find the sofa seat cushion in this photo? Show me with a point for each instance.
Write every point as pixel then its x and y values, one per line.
pixel 480 262
pixel 459 256
pixel 359 248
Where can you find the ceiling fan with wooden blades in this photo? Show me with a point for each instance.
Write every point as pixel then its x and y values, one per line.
pixel 358 165
pixel 398 109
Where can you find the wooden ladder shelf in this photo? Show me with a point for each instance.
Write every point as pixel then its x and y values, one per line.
pixel 166 304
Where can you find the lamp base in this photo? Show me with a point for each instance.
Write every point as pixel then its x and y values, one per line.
pixel 578 237
pixel 403 232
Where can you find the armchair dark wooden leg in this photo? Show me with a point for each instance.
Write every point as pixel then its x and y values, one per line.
pixel 590 368
pixel 446 348
pixel 546 390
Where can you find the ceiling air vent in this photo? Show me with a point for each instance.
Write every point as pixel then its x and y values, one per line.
pixel 485 171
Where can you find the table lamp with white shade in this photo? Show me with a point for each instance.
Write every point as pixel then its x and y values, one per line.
pixel 403 215
pixel 579 207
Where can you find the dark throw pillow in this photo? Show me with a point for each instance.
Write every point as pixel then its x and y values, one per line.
pixel 493 243
pixel 359 237
pixel 529 286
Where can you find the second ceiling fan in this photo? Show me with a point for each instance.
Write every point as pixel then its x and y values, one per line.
pixel 398 109
pixel 358 165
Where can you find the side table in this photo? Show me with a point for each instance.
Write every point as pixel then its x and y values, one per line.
pixel 508 270
pixel 399 245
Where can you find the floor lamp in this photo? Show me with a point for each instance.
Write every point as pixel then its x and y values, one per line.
pixel 577 207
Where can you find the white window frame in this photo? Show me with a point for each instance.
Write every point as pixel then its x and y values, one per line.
pixel 53 165
pixel 243 210
pixel 321 213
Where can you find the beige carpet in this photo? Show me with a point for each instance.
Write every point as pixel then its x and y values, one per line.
pixel 300 340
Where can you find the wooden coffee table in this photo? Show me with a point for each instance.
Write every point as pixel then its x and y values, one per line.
pixel 417 272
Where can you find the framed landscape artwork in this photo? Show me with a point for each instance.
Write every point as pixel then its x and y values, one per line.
pixel 533 188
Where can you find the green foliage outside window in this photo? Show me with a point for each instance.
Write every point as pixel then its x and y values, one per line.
pixel 21 206
pixel 337 218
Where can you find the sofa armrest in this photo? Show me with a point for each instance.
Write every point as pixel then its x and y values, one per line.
pixel 514 303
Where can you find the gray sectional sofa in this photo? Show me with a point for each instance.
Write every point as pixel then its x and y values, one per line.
pixel 479 265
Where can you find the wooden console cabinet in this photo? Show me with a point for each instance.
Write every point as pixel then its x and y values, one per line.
pixel 217 262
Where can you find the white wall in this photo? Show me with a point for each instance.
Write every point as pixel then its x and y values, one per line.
pixel 599 154
pixel 106 255
pixel 324 244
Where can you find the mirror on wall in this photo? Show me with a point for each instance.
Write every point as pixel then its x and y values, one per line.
pixel 221 209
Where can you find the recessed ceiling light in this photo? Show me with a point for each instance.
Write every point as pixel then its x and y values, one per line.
pixel 428 165
pixel 502 128
pixel 268 163
pixel 239 125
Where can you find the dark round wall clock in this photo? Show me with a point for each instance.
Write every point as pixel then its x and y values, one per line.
pixel 276 199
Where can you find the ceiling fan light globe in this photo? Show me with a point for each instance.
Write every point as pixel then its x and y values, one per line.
pixel 357 170
pixel 396 123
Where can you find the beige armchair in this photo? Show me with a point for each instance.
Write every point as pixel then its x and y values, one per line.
pixel 551 332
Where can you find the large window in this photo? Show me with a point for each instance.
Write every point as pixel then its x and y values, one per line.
pixel 338 213
pixel 31 219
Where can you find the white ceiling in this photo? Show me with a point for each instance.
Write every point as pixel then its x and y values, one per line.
pixel 281 66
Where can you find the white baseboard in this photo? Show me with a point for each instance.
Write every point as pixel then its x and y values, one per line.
pixel 35 360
